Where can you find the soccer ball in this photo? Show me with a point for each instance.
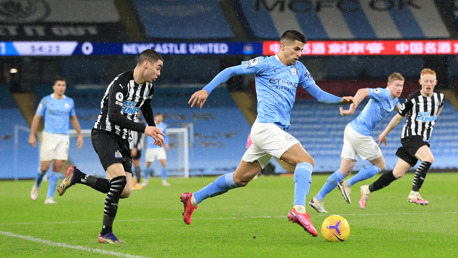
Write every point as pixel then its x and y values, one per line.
pixel 335 228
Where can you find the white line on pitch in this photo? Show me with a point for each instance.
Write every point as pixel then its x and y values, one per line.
pixel 64 245
pixel 227 218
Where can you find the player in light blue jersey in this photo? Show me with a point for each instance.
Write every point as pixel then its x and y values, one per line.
pixel 57 111
pixel 358 139
pixel 154 152
pixel 277 79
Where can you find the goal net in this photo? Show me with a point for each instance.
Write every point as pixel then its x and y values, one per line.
pixel 177 155
pixel 26 159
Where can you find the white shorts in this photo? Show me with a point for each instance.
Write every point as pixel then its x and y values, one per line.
pixel 267 140
pixel 54 146
pixel 153 154
pixel 357 144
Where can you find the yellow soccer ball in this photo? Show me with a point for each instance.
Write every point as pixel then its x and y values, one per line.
pixel 335 228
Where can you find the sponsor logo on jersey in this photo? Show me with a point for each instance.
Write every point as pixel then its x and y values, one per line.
pixel 128 107
pixel 425 117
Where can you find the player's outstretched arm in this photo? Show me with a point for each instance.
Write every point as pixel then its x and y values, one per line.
pixel 325 97
pixel 198 98
pixel 360 95
pixel 156 134
pixel 393 123
pixel 350 111
pixel 348 100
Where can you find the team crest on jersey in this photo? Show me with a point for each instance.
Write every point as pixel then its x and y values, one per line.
pixel 252 62
pixel 403 106
pixel 289 137
pixel 293 71
pixel 118 154
pixel 67 105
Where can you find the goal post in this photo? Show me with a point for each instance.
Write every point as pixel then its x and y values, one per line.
pixel 25 159
pixel 177 155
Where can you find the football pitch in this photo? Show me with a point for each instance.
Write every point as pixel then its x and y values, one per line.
pixel 246 222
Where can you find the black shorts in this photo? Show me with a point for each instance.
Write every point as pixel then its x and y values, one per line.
pixel 111 149
pixel 410 146
pixel 139 154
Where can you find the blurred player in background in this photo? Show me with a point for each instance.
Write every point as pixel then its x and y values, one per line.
pixel 358 139
pixel 136 146
pixel 56 110
pixel 126 94
pixel 421 109
pixel 154 152
pixel 277 79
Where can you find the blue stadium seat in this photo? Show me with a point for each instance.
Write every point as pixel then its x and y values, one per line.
pixel 320 129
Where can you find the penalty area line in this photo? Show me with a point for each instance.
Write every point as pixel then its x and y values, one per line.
pixel 64 245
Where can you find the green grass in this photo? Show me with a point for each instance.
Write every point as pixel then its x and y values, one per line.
pixel 246 222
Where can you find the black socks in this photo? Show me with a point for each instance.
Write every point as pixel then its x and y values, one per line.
pixel 383 181
pixel 111 203
pixel 420 175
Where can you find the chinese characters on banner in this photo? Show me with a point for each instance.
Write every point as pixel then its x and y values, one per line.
pixel 385 47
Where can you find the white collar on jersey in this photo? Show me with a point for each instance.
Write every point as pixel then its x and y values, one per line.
pixel 52 96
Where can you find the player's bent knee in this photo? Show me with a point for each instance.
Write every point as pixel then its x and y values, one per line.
pixel 126 194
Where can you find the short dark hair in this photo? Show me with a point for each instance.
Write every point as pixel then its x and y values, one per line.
pixel 59 78
pixel 150 55
pixel 294 35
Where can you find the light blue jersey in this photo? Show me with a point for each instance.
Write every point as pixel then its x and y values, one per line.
pixel 56 113
pixel 276 86
pixel 379 106
pixel 163 127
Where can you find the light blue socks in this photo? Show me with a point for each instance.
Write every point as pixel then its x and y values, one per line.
pixel 330 184
pixel 363 174
pixel 52 187
pixel 164 173
pixel 147 172
pixel 302 182
pixel 39 178
pixel 221 185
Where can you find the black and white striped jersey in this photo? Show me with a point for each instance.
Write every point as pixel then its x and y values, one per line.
pixel 421 113
pixel 137 139
pixel 120 104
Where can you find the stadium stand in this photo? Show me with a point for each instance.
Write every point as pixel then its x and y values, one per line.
pixel 194 19
pixel 321 20
pixel 11 155
pixel 320 129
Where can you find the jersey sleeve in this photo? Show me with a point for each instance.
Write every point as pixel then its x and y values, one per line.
pixel 443 99
pixel 376 94
pixel 406 106
pixel 306 78
pixel 252 66
pixel 116 96
pixel 41 109
pixel 72 109
pixel 308 83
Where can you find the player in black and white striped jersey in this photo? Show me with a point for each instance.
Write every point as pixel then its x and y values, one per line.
pixel 421 109
pixel 126 94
